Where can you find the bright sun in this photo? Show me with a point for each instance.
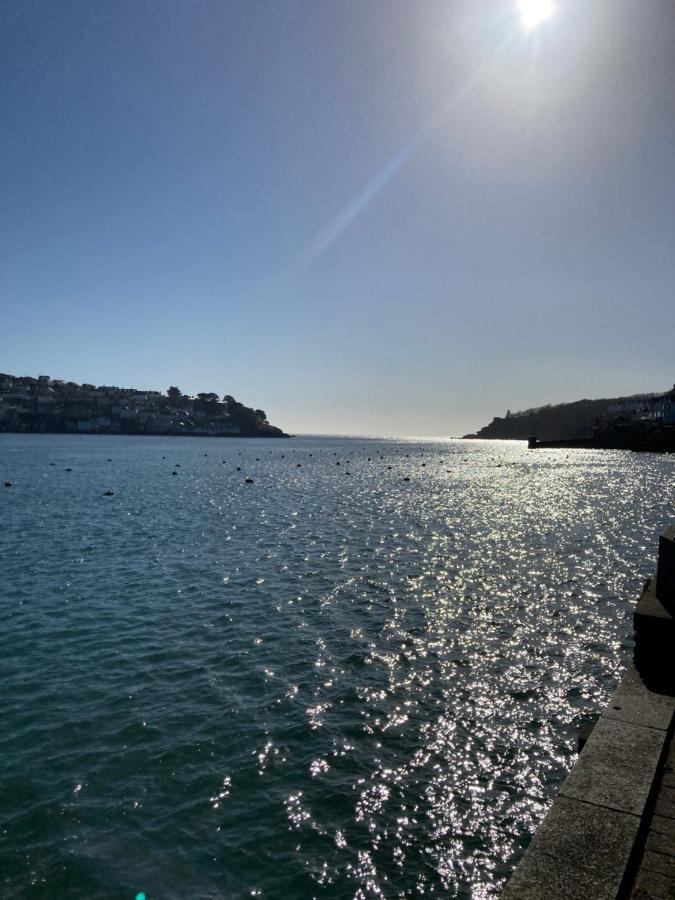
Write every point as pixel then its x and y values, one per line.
pixel 534 12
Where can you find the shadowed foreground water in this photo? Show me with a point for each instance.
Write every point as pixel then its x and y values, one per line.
pixel 331 682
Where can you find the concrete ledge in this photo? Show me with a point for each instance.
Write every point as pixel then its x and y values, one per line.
pixel 665 805
pixel 587 843
pixel 665 574
pixel 585 732
pixel 658 842
pixel 652 886
pixel 611 830
pixel 654 641
pixel 633 702
pixel 650 609
pixel 580 852
pixel 617 766
pixel 662 825
pixel 657 862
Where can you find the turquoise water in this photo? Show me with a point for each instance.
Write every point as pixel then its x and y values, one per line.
pixel 331 682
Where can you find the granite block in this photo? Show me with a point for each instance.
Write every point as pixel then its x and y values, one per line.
pixel 633 702
pixel 658 862
pixel 650 608
pixel 654 641
pixel 658 842
pixel 665 574
pixel 616 767
pixel 653 886
pixel 665 804
pixel 662 825
pixel 580 851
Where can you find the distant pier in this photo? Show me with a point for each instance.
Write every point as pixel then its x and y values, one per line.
pixel 655 441
pixel 579 443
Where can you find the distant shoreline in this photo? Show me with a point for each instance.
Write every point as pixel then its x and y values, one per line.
pixel 172 434
pixel 52 406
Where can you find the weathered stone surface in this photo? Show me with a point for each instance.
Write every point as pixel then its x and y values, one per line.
pixel 668 774
pixel 653 886
pixel 581 851
pixel 663 825
pixel 665 575
pixel 585 732
pixel 617 766
pixel 542 877
pixel 657 862
pixel 650 607
pixel 654 641
pixel 661 843
pixel 633 702
pixel 665 805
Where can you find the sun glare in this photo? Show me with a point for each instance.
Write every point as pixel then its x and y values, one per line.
pixel 534 12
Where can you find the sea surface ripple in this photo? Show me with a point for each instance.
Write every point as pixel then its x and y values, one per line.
pixel 330 682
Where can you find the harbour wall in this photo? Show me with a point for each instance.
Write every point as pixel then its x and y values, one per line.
pixel 610 833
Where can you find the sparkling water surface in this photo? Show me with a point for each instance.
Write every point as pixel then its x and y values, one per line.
pixel 330 682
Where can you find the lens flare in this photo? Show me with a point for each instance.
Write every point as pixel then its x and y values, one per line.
pixel 534 12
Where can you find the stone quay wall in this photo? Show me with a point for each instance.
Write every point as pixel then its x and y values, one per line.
pixel 610 834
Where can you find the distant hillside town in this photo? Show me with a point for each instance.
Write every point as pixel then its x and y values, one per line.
pixel 44 404
pixel 642 413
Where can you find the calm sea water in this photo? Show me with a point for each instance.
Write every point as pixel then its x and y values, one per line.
pixel 329 683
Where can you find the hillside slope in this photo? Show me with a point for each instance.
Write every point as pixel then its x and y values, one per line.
pixel 548 423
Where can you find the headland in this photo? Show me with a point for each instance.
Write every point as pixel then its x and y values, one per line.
pixel 641 422
pixel 47 405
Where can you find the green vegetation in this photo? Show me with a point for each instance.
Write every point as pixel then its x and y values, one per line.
pixel 45 405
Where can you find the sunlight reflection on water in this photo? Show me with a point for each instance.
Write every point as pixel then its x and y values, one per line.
pixel 318 684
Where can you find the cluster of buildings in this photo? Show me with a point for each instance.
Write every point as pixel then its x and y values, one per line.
pixel 44 404
pixel 655 409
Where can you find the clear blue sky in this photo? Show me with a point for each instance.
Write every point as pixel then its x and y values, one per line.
pixel 364 216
